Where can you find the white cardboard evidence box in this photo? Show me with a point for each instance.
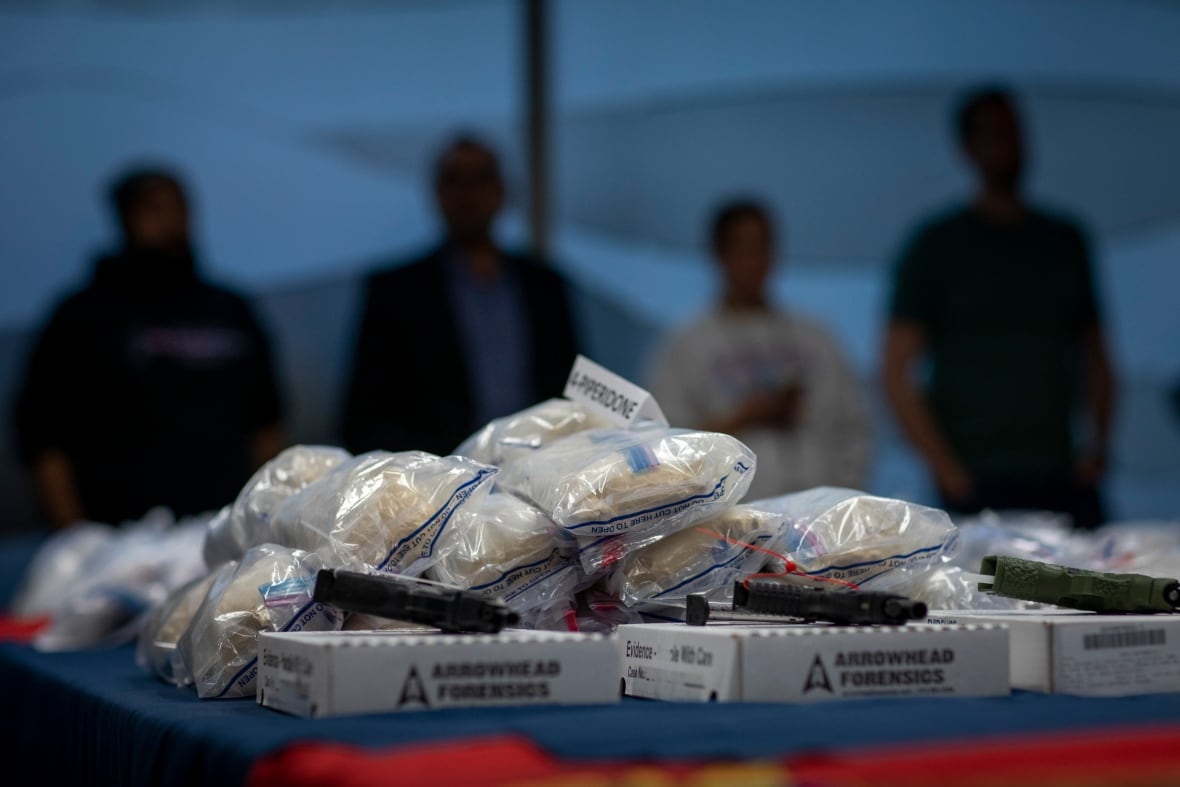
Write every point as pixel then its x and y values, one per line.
pixel 1071 652
pixel 317 674
pixel 811 663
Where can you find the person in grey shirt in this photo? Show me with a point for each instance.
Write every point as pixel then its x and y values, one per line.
pixel 776 381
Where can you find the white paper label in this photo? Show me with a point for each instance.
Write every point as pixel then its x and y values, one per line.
pixel 604 392
pixel 1118 660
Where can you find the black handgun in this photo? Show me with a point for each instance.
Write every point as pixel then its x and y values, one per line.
pixel 762 600
pixel 413 600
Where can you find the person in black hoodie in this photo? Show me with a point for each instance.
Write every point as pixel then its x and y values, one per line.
pixel 149 387
pixel 467 333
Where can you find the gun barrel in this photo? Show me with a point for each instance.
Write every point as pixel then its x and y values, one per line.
pixel 698 611
pixel 770 600
pixel 413 601
pixel 901 609
pixel 1172 594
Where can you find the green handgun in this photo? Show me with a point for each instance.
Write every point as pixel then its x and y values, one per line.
pixel 1077 588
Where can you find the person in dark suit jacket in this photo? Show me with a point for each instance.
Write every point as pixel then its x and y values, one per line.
pixel 463 334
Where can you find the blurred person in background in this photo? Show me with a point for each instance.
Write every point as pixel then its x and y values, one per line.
pixel 149 387
pixel 776 381
pixel 463 334
pixel 998 297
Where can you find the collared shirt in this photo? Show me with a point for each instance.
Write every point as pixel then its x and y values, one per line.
pixel 494 333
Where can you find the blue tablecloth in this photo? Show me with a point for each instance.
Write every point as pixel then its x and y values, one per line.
pixel 92 717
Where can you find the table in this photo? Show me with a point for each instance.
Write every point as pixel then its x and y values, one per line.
pixel 93 717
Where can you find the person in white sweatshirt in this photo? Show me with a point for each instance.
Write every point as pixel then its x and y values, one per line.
pixel 776 381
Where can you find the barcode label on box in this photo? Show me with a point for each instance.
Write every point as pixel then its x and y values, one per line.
pixel 1124 639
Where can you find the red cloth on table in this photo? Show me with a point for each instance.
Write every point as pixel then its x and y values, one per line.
pixel 1135 756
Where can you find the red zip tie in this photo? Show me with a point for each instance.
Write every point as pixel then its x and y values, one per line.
pixel 791 567
pixel 777 574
